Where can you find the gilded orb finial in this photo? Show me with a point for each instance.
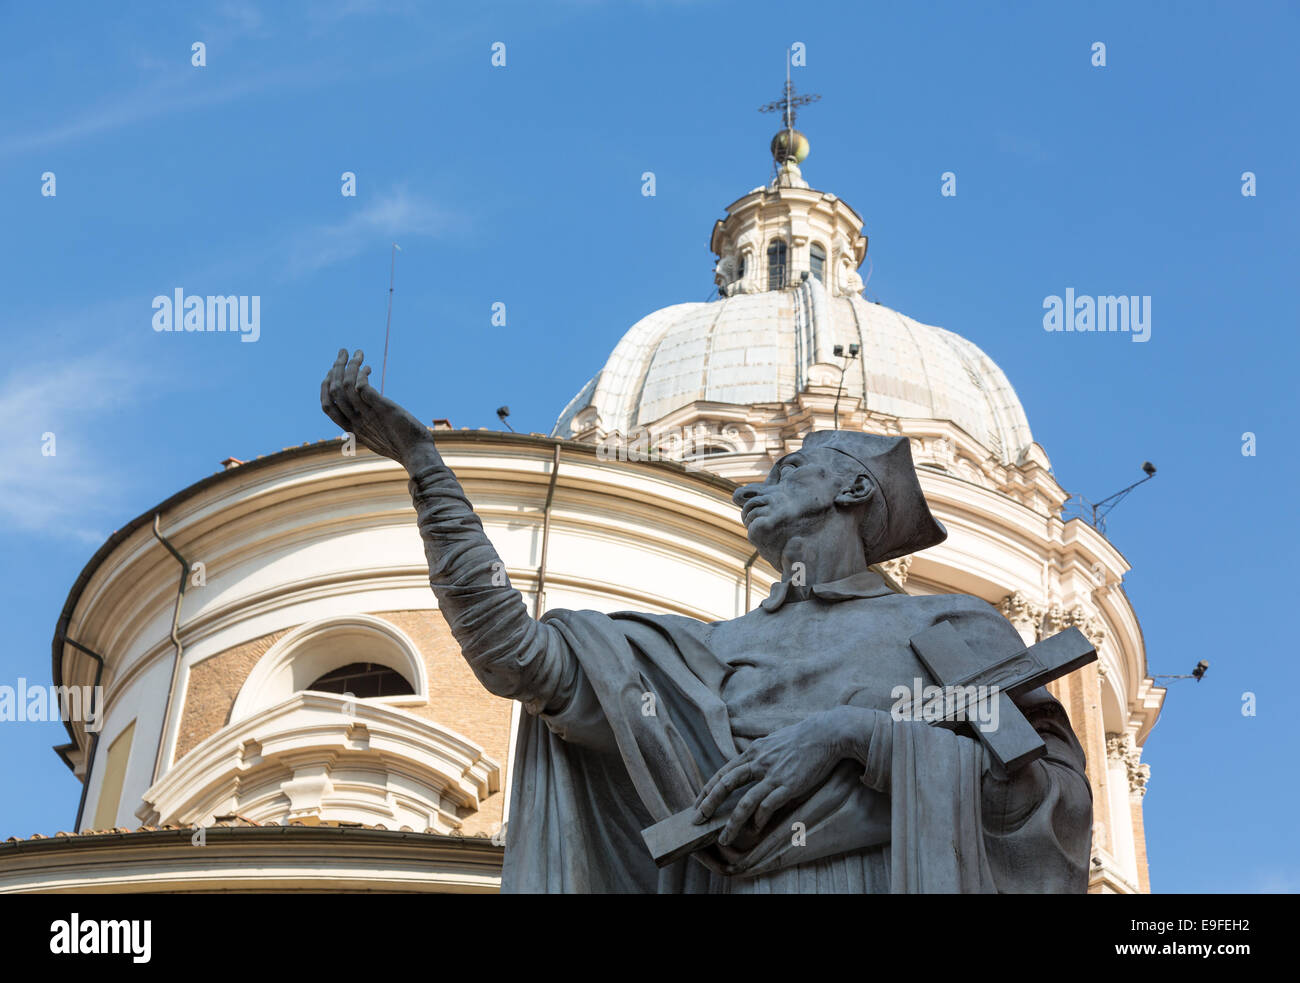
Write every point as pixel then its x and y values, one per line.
pixel 789 145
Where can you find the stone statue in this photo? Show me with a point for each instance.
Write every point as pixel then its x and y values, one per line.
pixel 766 753
pixel 724 273
pixel 850 280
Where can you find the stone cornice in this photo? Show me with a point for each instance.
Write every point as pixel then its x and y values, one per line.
pixel 251 858
pixel 295 750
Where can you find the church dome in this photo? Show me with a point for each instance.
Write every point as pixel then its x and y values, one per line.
pixel 766 347
pixel 790 323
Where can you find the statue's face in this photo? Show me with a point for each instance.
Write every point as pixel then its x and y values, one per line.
pixel 797 499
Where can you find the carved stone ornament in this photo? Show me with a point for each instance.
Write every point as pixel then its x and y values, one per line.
pixel 1022 612
pixel 898 567
pixel 1121 747
pixel 1059 619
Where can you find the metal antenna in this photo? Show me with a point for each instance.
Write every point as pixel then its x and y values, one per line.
pixel 392 268
pixel 1099 510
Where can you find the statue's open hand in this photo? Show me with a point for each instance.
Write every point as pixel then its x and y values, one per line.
pixel 386 428
pixel 784 767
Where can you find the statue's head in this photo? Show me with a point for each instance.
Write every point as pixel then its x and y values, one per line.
pixel 863 483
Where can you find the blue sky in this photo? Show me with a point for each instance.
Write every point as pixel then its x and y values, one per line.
pixel 522 185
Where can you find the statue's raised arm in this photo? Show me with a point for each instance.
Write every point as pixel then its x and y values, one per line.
pixel 512 655
pixel 348 398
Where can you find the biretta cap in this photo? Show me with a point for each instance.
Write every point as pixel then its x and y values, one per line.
pixel 909 525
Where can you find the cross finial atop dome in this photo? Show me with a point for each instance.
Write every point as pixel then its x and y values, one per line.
pixel 789 103
pixel 789 147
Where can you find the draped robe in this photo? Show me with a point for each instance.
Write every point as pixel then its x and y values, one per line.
pixel 628 715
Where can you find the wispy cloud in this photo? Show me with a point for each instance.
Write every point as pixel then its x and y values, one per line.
pixel 239 18
pixel 175 95
pixel 391 215
pixel 47 405
pixel 175 89
pixel 323 13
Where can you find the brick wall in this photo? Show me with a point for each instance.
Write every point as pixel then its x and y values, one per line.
pixel 457 700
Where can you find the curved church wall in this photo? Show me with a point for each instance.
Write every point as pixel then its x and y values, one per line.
pixel 309 534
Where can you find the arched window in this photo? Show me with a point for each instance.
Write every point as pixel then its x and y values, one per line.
pixel 364 680
pixel 740 274
pixel 356 653
pixel 817 258
pixel 776 265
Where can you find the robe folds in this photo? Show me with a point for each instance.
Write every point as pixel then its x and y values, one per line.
pixel 578 810
pixel 628 716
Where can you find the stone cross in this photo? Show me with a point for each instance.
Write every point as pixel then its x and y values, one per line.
pixel 1013 743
